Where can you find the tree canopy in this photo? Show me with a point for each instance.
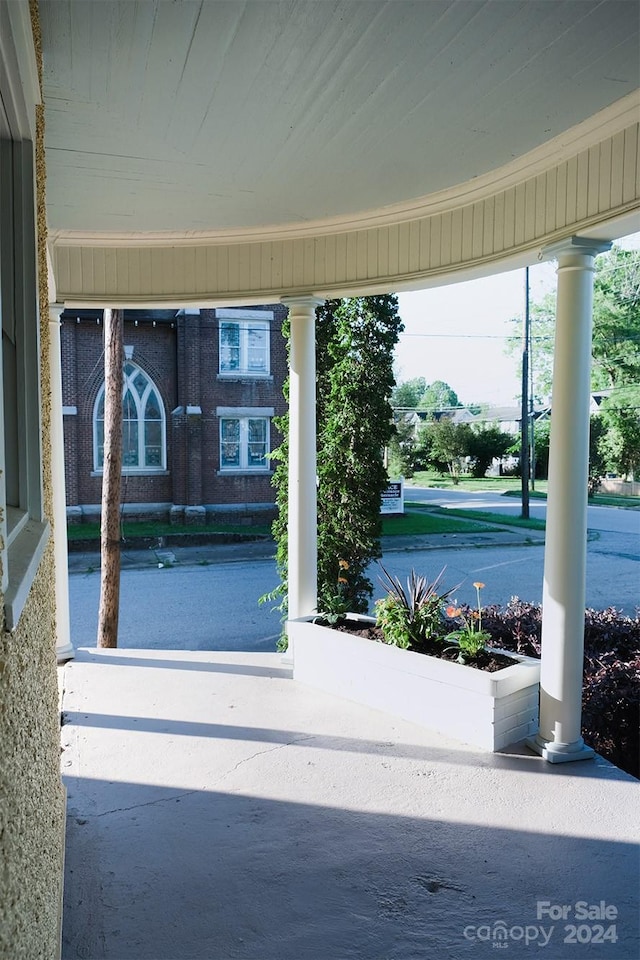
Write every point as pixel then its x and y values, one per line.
pixel 615 351
pixel 407 395
pixel 417 394
pixel 616 326
pixel 439 396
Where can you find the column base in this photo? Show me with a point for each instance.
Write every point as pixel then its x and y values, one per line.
pixel 65 652
pixel 560 752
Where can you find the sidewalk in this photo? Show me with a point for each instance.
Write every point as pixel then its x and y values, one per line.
pixel 134 556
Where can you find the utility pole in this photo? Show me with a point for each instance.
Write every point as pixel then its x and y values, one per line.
pixel 112 468
pixel 532 442
pixel 524 414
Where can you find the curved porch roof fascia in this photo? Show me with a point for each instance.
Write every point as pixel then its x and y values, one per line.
pixel 586 181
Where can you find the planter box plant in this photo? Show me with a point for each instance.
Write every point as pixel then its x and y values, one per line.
pixel 489 710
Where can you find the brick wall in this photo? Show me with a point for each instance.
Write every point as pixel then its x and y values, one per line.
pixel 179 351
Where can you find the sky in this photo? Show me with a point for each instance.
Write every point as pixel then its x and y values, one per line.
pixel 458 333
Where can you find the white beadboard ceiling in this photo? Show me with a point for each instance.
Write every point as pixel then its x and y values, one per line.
pixel 199 115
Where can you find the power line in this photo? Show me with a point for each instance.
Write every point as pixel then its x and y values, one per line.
pixel 510 336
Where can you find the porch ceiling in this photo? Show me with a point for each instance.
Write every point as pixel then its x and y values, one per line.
pixel 221 122
pixel 212 115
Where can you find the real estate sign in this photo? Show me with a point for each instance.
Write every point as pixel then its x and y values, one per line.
pixel 393 497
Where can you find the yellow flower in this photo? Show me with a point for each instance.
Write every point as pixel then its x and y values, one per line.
pixel 343 564
pixel 478 585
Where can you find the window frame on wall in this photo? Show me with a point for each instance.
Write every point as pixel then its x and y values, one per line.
pixel 24 529
pixel 248 323
pixel 244 417
pixel 135 428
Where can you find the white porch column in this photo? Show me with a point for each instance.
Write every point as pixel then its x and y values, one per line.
pixel 563 601
pixel 64 647
pixel 302 561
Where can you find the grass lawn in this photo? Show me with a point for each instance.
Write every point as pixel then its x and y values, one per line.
pixel 431 478
pixel 599 500
pixel 509 486
pixel 503 519
pixel 418 520
pixel 608 500
pixel 422 522
pixel 148 528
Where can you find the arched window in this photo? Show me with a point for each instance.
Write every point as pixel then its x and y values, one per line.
pixel 144 447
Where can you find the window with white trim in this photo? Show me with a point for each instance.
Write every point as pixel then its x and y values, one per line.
pixel 244 347
pixel 24 530
pixel 244 443
pixel 144 448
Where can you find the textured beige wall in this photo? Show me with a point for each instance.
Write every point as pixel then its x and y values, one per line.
pixel 31 794
pixel 31 807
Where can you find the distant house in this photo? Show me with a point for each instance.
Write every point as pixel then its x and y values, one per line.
pixel 456 415
pixel 201 390
pixel 507 418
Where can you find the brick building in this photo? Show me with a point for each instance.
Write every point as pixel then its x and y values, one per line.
pixel 200 393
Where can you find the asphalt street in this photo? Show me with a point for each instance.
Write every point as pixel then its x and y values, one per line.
pixel 207 598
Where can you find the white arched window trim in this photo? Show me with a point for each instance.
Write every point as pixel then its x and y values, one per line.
pixel 144 425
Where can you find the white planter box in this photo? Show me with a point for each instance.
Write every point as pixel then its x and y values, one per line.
pixel 488 710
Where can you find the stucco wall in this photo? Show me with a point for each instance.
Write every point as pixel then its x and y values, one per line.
pixel 31 794
pixel 32 807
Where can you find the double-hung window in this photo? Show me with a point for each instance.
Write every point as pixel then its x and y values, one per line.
pixel 143 424
pixel 244 439
pixel 244 343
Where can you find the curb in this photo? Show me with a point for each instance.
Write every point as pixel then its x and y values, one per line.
pixel 149 555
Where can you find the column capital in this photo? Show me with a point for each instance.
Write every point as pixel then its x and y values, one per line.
pixel 304 301
pixel 586 246
pixel 55 312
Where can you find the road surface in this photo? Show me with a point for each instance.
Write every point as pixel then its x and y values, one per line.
pixel 215 607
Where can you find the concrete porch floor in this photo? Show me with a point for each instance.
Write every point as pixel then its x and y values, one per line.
pixel 217 810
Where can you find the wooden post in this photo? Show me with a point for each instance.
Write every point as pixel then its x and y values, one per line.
pixel 112 468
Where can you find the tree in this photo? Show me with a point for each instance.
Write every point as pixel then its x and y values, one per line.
pixel 354 362
pixel 445 445
pixel 407 395
pixel 439 396
pixel 485 444
pixel 402 447
pixel 355 342
pixel 619 443
pixel 616 326
pixel 615 351
pixel 110 517
pixel 616 319
pixel 542 431
pixel 597 462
